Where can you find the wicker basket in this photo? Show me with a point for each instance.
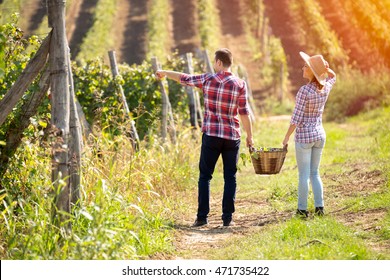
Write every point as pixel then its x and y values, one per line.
pixel 268 161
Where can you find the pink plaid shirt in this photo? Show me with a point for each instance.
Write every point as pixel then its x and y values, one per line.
pixel 225 96
pixel 307 115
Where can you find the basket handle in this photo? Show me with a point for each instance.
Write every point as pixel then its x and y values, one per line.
pixel 252 149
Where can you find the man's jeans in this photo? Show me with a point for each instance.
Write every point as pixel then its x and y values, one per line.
pixel 308 160
pixel 212 147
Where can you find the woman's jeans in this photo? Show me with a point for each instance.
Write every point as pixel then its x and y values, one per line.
pixel 212 147
pixel 308 160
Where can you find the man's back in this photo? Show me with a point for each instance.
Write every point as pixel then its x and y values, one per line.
pixel 225 96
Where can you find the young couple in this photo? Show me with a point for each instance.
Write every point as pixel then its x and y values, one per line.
pixel 226 97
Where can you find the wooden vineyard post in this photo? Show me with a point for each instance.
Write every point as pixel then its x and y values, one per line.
pixel 28 75
pixel 209 66
pixel 198 107
pixel 191 94
pixel 166 107
pixel 75 142
pixel 16 128
pixel 133 131
pixel 60 104
pixel 249 91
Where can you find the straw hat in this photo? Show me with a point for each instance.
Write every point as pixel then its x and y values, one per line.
pixel 318 65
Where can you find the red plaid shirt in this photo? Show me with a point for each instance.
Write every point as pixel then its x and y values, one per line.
pixel 225 96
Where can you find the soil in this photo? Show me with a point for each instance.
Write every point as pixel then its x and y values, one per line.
pixel 197 241
pixel 84 21
pixel 72 13
pixel 132 45
pixel 184 24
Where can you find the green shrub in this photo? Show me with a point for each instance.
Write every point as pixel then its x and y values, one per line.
pixel 356 92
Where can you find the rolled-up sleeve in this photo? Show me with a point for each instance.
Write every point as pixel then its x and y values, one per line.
pixel 331 80
pixel 299 110
pixel 243 107
pixel 194 80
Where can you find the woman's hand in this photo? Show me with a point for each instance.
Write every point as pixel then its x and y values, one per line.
pixel 285 141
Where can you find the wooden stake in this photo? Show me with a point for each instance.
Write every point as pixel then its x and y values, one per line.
pixel 60 104
pixel 22 121
pixel 191 94
pixel 133 131
pixel 209 66
pixel 75 142
pixel 166 107
pixel 33 68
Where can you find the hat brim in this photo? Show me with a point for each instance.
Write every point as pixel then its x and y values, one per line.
pixel 306 58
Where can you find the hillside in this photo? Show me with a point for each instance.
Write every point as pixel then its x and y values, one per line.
pixel 356 32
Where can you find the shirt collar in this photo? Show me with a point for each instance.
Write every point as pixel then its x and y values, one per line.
pixel 225 73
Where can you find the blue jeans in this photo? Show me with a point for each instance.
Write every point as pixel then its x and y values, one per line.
pixel 308 157
pixel 212 147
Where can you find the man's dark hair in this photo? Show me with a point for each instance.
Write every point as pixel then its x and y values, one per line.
pixel 224 55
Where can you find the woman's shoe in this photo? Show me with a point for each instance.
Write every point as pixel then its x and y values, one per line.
pixel 302 213
pixel 319 211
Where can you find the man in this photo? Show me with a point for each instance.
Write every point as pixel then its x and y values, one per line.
pixel 225 97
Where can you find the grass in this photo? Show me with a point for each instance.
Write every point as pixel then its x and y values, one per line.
pixel 97 42
pixel 132 202
pixel 357 205
pixel 127 202
pixel 297 239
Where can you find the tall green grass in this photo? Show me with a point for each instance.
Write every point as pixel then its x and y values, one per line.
pixel 129 201
pixel 297 239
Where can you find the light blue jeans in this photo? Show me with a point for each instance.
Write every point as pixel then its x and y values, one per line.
pixel 308 157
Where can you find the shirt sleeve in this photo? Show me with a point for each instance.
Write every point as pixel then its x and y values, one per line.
pixel 243 106
pixel 331 80
pixel 299 110
pixel 194 80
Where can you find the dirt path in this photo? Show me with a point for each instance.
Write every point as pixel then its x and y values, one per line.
pixel 72 13
pixel 122 17
pixel 32 15
pixel 193 243
pixel 185 21
pixel 84 21
pixel 132 48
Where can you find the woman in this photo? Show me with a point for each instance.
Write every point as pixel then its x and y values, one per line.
pixel 310 135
